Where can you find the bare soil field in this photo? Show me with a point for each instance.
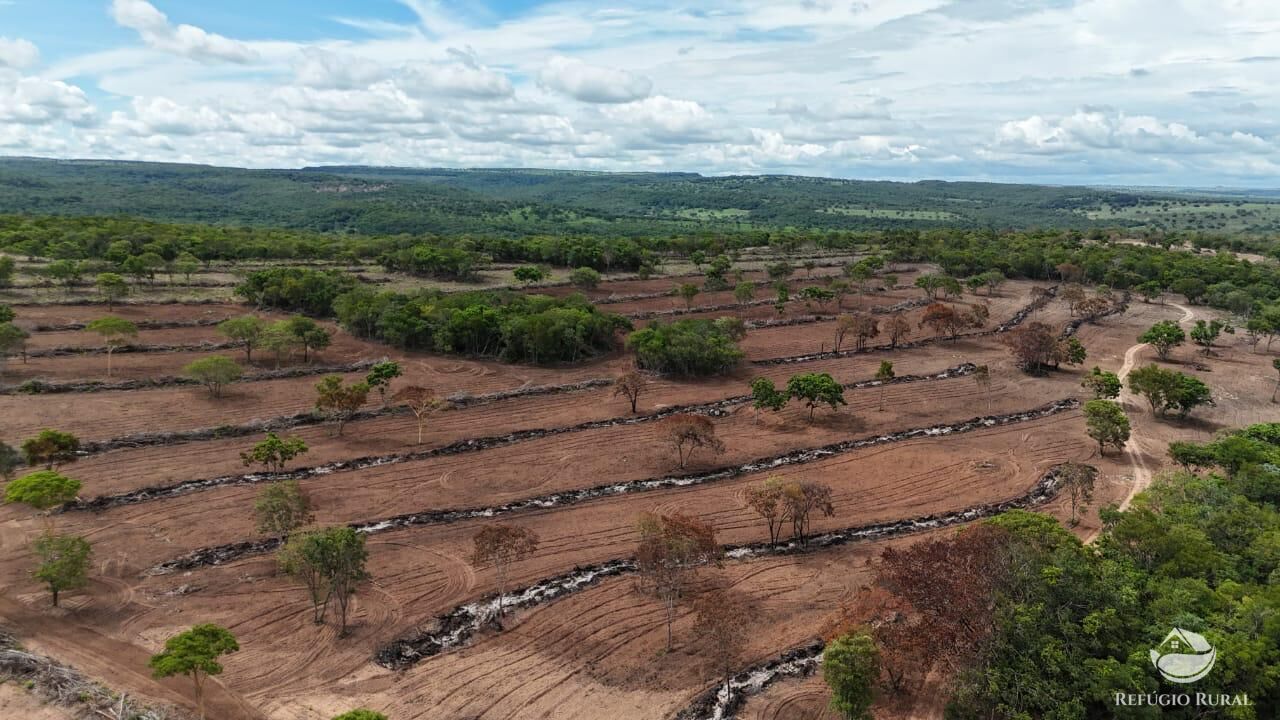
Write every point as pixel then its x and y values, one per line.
pixel 595 652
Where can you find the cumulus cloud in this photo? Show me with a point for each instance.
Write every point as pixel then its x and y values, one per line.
pixel 666 119
pixel 319 68
pixel 33 100
pixel 17 53
pixel 186 40
pixel 1089 129
pixel 593 84
pixel 461 75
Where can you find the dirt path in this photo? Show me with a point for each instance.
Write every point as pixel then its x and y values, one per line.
pixel 1135 450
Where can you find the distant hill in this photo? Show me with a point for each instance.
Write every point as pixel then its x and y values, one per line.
pixel 523 201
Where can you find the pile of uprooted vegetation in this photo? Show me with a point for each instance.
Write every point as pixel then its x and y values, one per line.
pixel 62 685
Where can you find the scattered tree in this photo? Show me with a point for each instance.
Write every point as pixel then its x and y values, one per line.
pixel 1164 336
pixel 864 327
pixel 630 385
pixel 64 563
pixel 274 452
pixel 340 402
pixel 800 501
pixel 501 546
pixel 767 500
pixel 885 375
pixel 672 548
pixel 744 292
pixel 851 668
pixel 844 326
pixel 1078 481
pixel 723 620
pixel 897 328
pixel 214 372
pixel 281 508
pixel 1033 346
pixel 1275 363
pixel 529 274
pixel 308 335
pixel 331 564
pixel 816 389
pixel 115 332
pixel 13 341
pixel 421 402
pixel 51 448
pixel 112 287
pixel 1205 334
pixel 380 377
pixel 687 433
pixel 278 339
pixel 1104 385
pixel 982 378
pixel 1106 423
pixel 1167 390
pixel 944 319
pixel 688 291
pixel 195 653
pixel 246 330
pixel 766 396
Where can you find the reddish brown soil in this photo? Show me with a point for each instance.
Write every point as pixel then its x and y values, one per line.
pixel 595 653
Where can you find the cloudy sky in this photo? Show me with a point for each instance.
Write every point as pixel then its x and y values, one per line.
pixel 1154 92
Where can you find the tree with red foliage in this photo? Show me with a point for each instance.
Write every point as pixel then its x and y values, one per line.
pixel 1033 346
pixel 722 618
pixel 947 587
pixel 672 548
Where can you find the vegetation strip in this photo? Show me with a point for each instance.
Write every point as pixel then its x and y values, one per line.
pixel 141 324
pixel 158 492
pixel 723 701
pixel 40 387
pixel 221 554
pixel 101 350
pixel 1013 322
pixel 456 627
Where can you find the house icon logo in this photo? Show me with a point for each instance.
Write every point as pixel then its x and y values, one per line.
pixel 1184 656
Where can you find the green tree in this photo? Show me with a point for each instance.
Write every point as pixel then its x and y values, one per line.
pixel 340 402
pixel 529 274
pixel 688 292
pixel 884 376
pixel 816 389
pixel 1107 424
pixel 246 330
pixel 51 448
pixel 282 507
pixel 214 372
pixel 585 278
pixel 380 377
pixel 744 292
pixel 1164 336
pixel 187 264
pixel 64 563
pixel 331 563
pixel 308 335
pixel 13 339
pixel 43 490
pixel 1104 385
pixel 277 339
pixel 274 452
pixel 1167 390
pixel 112 287
pixel 766 396
pixel 1205 334
pixel 115 333
pixel 7 269
pixel 194 653
pixel 851 668
pixel 685 347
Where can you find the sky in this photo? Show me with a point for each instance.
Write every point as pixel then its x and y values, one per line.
pixel 1133 92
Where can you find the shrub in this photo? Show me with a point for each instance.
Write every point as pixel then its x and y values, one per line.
pixel 298 289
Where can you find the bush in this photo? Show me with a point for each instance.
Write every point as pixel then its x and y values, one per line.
pixel 685 347
pixel 448 263
pixel 506 325
pixel 298 289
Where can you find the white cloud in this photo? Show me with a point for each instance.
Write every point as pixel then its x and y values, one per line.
pixel 17 53
pixel 319 68
pixel 186 40
pixel 33 100
pixel 665 119
pixel 593 84
pixel 461 75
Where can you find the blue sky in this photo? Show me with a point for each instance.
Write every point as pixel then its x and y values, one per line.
pixel 1156 92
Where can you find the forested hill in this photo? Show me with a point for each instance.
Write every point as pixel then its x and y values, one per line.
pixel 399 200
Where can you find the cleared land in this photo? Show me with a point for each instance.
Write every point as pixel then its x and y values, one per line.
pixel 592 653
